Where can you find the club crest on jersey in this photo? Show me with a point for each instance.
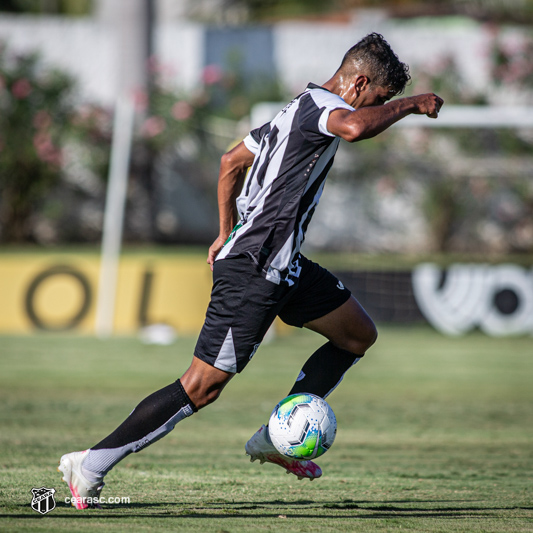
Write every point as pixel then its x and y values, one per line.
pixel 340 285
pixel 43 500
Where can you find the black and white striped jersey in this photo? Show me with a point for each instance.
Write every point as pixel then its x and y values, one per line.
pixel 293 154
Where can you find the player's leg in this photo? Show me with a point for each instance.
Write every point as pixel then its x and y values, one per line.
pixel 343 321
pixel 350 333
pixel 151 420
pixel 304 303
pixel 321 302
pixel 252 310
pixel 203 383
pixel 157 414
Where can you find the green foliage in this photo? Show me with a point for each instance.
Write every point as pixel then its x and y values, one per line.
pixel 443 77
pixel 224 93
pixel 496 11
pixel 89 136
pixel 459 207
pixel 35 105
pixel 511 61
pixel 273 9
pixel 488 192
pixel 38 118
pixel 62 7
pixel 54 152
pixel 172 115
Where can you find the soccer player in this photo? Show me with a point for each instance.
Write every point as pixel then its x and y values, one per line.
pixel 269 186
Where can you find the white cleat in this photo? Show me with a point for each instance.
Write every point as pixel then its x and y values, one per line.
pixel 260 447
pixel 84 492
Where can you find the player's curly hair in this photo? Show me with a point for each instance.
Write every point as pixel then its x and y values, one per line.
pixel 373 57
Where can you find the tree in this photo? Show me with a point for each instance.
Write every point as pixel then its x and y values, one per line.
pixel 35 107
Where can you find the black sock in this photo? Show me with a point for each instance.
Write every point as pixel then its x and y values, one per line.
pixel 324 370
pixel 154 411
pixel 151 420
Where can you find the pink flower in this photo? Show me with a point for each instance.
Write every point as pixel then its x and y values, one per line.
pixel 140 100
pixel 211 74
pixel 46 150
pixel 165 70
pixel 182 110
pixel 54 157
pixel 21 89
pixel 85 112
pixel 41 141
pixel 386 186
pixel 42 120
pixel 153 126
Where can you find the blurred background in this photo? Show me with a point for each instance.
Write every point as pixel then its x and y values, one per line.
pixel 432 221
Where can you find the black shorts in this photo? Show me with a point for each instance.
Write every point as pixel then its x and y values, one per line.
pixel 244 304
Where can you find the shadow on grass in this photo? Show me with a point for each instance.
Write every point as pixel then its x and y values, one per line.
pixel 307 509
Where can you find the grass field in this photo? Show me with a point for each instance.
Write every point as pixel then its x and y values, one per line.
pixel 435 434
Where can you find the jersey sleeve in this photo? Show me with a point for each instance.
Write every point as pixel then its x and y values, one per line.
pixel 323 121
pixel 314 115
pixel 253 139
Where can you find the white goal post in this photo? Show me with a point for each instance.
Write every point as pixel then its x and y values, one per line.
pixel 114 216
pixel 463 116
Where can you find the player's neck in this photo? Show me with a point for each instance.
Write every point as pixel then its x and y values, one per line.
pixel 340 86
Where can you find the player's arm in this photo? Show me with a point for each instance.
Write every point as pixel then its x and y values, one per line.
pixel 233 167
pixel 367 122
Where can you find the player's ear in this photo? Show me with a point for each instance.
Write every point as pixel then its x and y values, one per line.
pixel 361 83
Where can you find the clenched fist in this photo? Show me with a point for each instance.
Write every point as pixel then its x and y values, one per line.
pixel 428 104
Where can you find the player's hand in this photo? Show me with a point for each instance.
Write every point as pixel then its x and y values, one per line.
pixel 428 104
pixel 214 249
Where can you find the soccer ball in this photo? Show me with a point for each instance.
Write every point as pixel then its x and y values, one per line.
pixel 302 426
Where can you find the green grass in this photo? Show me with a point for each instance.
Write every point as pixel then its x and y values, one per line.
pixel 435 435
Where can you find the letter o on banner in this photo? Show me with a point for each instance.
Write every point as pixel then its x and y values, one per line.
pixel 520 321
pixel 77 317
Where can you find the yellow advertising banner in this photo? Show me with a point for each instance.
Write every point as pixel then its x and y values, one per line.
pixel 57 292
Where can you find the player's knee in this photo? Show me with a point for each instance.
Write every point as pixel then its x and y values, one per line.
pixel 372 335
pixel 361 338
pixel 204 384
pixel 369 335
pixel 203 393
pixel 204 398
